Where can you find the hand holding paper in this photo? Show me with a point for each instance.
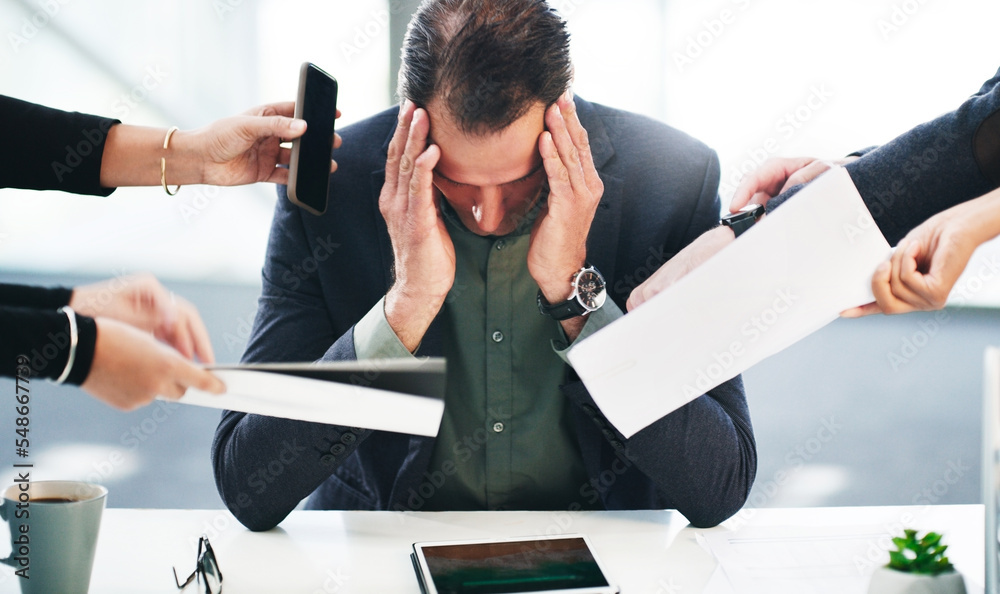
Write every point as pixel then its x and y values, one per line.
pixel 397 395
pixel 785 278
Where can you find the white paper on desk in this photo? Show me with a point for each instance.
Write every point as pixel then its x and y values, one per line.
pixel 797 560
pixel 265 390
pixel 785 278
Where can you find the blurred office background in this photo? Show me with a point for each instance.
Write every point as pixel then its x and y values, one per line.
pixel 877 411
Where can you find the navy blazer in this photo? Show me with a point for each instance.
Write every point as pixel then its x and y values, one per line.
pixel 323 274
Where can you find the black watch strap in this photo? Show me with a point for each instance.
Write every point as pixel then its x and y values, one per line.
pixel 560 311
pixel 741 221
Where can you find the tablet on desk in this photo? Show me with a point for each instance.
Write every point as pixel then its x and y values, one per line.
pixel 563 563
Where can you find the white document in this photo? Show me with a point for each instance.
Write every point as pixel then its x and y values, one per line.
pixel 792 560
pixel 344 397
pixel 785 278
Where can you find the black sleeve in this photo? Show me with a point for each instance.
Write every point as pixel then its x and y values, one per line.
pixel 36 297
pixel 31 327
pixel 49 149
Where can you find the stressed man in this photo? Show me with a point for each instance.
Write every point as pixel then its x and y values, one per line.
pixel 486 220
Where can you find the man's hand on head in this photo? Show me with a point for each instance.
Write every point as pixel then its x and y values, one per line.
pixel 559 238
pixel 424 255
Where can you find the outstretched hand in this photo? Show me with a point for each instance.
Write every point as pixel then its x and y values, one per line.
pixel 776 175
pixel 929 260
pixel 245 149
pixel 142 302
pixel 130 368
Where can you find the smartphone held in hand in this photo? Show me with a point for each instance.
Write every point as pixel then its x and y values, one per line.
pixel 309 170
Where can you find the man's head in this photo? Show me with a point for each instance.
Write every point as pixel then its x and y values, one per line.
pixel 485 70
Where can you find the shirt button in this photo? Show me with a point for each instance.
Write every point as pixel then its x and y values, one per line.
pixel 497 336
pixel 501 244
pixel 497 427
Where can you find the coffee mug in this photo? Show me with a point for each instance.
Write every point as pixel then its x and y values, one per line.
pixel 53 533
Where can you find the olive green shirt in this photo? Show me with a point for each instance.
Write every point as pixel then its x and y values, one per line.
pixel 506 440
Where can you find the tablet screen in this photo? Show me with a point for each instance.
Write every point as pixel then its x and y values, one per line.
pixel 530 565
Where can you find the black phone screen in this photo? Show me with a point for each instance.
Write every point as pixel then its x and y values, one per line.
pixel 309 171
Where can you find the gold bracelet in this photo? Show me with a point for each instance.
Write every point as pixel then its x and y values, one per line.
pixel 163 164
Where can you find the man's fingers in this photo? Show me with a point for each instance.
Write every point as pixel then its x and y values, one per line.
pixel 747 188
pixel 805 175
pixel 422 181
pixel 396 146
pixel 767 179
pixel 581 139
pixel 567 151
pixel 416 142
pixel 559 183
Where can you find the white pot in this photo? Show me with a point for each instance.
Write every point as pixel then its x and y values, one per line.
pixel 890 581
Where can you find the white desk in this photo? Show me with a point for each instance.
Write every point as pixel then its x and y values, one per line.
pixel 652 552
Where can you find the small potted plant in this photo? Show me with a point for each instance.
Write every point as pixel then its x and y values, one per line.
pixel 918 566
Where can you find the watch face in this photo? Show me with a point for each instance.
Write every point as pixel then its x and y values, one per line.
pixel 590 289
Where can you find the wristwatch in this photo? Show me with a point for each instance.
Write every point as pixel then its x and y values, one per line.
pixel 588 295
pixel 740 221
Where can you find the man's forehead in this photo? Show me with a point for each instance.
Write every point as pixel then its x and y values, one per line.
pixel 487 159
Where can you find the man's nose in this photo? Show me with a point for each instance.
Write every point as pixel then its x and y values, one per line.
pixel 489 209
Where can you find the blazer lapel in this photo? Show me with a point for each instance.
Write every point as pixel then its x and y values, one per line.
pixel 602 241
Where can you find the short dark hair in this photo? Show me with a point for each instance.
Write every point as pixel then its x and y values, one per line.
pixel 489 61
